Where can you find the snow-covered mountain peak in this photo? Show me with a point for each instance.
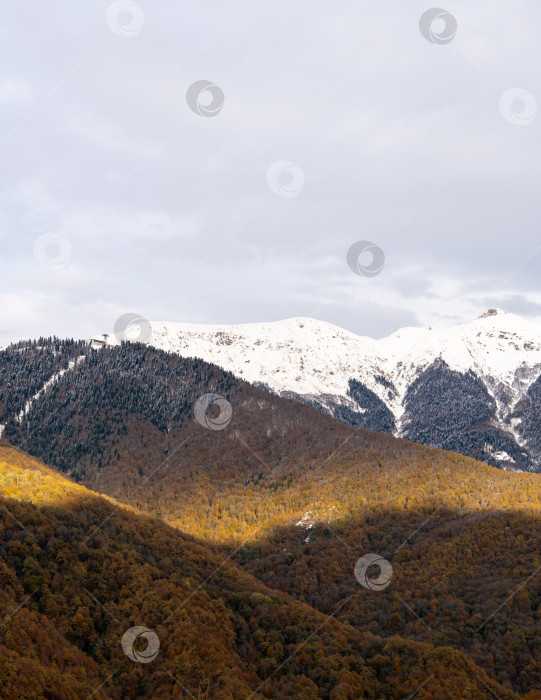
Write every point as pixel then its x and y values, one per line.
pixel 493 312
pixel 316 356
pixel 375 382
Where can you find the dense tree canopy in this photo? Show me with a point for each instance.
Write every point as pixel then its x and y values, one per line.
pixel 79 570
pixel 291 496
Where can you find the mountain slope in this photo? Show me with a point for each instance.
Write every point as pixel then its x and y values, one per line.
pixel 300 497
pixel 372 382
pixel 79 570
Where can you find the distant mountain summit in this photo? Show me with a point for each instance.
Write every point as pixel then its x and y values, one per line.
pixel 492 312
pixel 474 388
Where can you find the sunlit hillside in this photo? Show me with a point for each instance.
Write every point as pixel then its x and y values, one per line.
pixel 78 571
pixel 294 498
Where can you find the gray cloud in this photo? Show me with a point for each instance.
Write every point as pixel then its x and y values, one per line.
pixel 169 214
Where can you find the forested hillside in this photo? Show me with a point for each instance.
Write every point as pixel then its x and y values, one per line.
pixel 79 570
pixel 296 497
pixel 25 367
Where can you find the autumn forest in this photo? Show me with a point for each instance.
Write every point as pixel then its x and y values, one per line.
pixel 236 547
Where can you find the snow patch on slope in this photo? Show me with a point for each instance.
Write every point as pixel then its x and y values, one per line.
pixel 52 380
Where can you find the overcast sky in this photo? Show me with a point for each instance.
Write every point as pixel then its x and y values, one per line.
pixel 116 196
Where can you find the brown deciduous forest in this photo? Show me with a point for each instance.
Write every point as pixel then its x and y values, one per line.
pixel 78 569
pixel 238 546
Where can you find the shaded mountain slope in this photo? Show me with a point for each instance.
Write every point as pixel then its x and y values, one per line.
pixel 79 570
pixel 455 411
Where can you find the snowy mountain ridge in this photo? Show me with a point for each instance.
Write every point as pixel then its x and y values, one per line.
pixel 376 383
pixel 314 357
